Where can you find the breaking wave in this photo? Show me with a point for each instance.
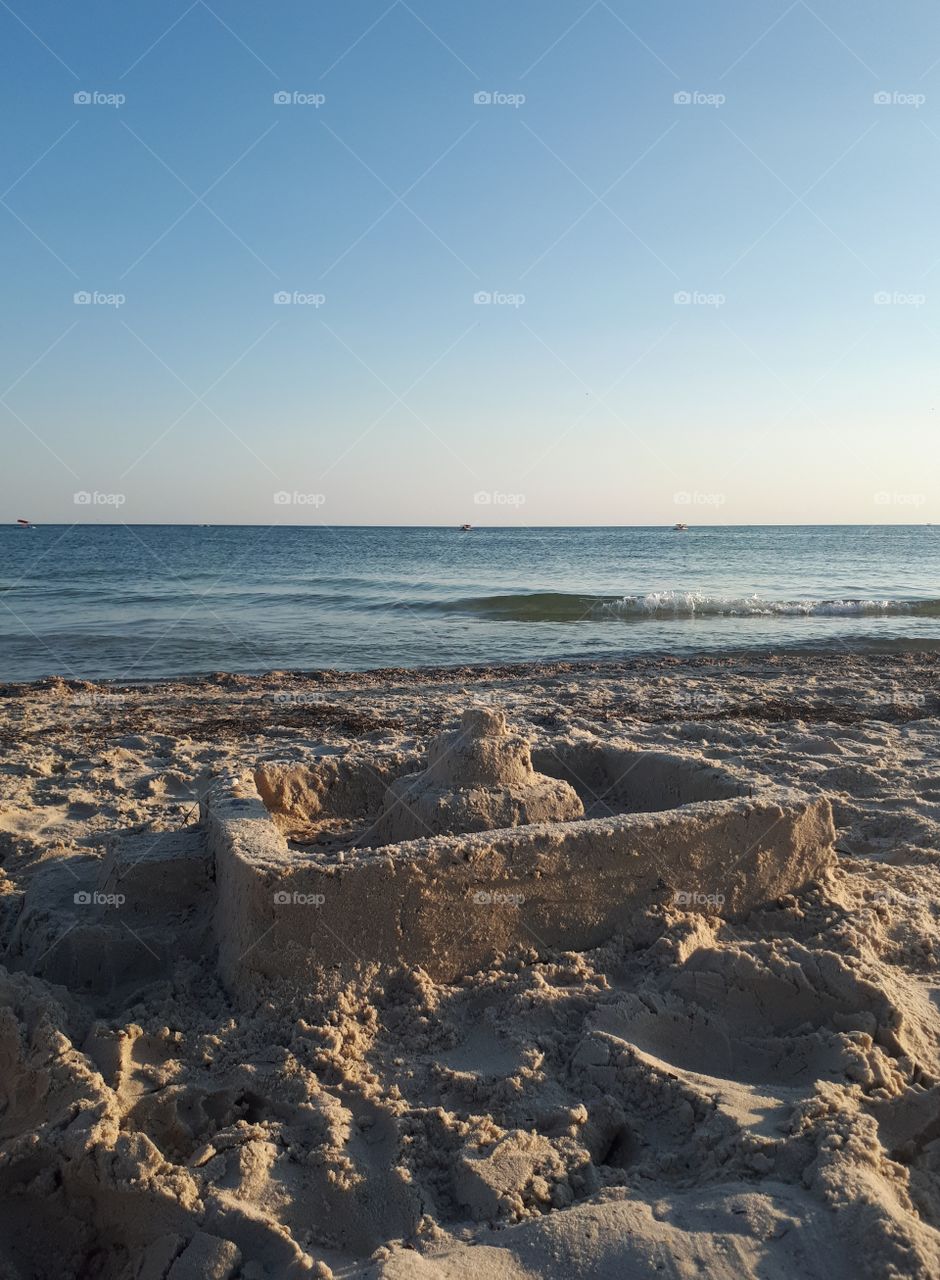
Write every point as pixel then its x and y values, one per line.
pixel 555 606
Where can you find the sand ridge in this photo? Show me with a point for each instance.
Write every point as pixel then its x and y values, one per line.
pixel 699 1097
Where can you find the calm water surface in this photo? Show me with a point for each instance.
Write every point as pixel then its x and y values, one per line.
pixel 135 602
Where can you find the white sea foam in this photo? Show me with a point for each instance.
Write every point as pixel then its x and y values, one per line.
pixel 692 603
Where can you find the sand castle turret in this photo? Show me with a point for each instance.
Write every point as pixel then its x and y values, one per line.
pixel 478 778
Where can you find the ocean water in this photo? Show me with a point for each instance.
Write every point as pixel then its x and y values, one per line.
pixel 137 602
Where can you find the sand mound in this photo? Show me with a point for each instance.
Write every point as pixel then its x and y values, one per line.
pixel 478 778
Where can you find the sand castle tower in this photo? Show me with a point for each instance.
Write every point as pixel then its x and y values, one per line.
pixel 478 778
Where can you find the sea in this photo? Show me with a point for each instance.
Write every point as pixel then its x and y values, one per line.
pixel 138 602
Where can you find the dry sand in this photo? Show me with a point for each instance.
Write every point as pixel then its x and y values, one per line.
pixel 759 1099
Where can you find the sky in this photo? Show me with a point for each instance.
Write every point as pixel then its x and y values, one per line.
pixel 401 262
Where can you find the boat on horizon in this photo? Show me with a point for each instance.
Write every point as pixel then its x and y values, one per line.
pixel 465 528
pixel 680 527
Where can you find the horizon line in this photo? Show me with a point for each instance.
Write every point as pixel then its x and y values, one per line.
pixel 193 524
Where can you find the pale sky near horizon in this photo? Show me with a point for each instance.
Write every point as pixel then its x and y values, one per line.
pixel 705 236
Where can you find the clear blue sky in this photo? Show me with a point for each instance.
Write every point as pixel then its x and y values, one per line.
pixel 783 391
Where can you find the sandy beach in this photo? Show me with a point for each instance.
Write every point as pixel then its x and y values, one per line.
pixel 697 1096
pixel 469 642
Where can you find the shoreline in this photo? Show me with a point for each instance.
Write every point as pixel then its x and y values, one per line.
pixel 924 651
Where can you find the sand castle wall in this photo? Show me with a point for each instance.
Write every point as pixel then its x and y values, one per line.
pixel 296 872
pixel 452 904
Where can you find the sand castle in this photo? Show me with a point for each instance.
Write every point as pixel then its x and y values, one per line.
pixel 478 778
pixel 447 861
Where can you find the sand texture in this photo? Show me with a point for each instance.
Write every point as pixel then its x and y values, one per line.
pixel 706 1091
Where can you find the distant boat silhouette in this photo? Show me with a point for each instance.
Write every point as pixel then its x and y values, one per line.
pixel 465 528
pixel 24 524
pixel 680 527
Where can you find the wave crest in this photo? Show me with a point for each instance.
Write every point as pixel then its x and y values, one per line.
pixel 555 606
